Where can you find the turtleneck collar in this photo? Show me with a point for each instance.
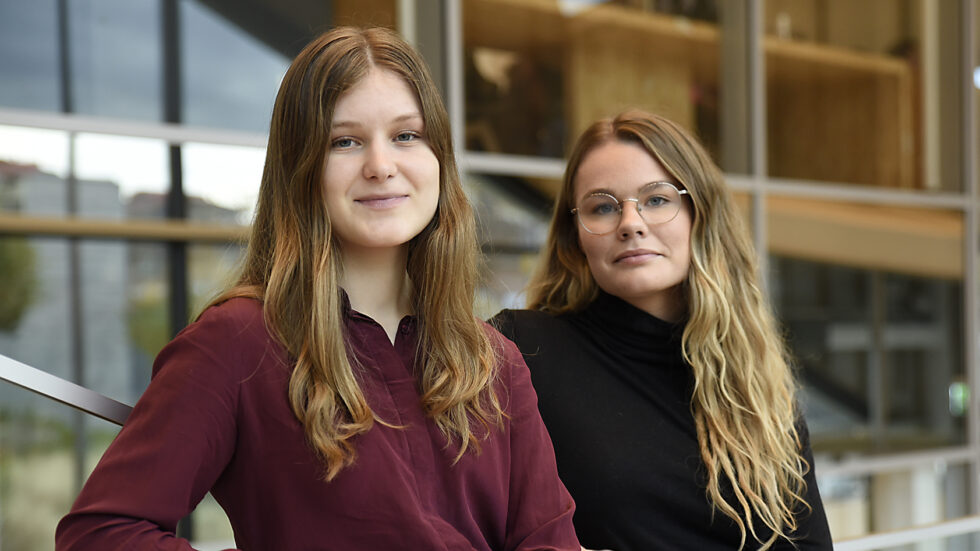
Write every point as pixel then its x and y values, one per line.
pixel 625 325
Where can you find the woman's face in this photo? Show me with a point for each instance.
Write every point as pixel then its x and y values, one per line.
pixel 381 177
pixel 641 263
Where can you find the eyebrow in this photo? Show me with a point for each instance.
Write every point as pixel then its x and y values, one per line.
pixel 608 191
pixel 357 124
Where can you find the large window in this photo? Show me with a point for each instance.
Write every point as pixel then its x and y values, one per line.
pixel 116 229
pixel 841 124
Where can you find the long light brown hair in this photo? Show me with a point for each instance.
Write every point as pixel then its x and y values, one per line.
pixel 744 392
pixel 293 263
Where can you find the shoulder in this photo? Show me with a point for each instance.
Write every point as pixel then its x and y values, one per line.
pixel 237 318
pixel 224 334
pixel 518 325
pixel 545 341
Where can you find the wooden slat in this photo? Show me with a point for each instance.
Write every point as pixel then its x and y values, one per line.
pixel 143 230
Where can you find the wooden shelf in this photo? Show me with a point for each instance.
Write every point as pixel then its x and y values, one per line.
pixel 833 114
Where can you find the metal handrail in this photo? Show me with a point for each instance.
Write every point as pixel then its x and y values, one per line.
pixel 883 540
pixel 103 407
pixel 60 390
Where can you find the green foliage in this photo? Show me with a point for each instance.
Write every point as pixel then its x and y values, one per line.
pixel 18 280
pixel 149 324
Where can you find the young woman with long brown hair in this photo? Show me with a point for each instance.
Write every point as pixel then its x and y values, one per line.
pixel 341 395
pixel 660 371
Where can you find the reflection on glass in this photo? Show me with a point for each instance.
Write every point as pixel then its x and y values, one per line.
pixel 116 58
pixel 34 314
pixel 29 56
pixel 121 177
pixel 229 76
pixel 147 314
pixel 536 74
pixel 212 269
pixel 122 331
pixel 221 182
pixel 38 466
pixel 895 500
pixel 29 156
pixel 877 352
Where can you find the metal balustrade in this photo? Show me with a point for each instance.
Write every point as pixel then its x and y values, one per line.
pixel 60 390
pixel 103 407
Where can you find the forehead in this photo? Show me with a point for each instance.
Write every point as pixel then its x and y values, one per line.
pixel 617 166
pixel 381 93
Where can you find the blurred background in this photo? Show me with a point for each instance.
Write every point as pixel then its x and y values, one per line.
pixel 132 137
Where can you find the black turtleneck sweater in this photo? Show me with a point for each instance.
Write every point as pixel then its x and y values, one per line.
pixel 614 392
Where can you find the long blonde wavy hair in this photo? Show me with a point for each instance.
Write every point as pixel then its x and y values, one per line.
pixel 293 263
pixel 744 391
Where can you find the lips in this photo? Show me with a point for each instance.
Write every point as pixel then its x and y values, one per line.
pixel 635 256
pixel 381 201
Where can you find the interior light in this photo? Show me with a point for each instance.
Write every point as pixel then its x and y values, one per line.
pixel 976 78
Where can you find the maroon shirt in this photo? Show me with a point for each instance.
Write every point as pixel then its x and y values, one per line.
pixel 216 417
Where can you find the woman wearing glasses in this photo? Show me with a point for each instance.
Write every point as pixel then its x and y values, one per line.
pixel 660 372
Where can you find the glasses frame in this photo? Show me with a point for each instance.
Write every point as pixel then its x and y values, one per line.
pixel 636 203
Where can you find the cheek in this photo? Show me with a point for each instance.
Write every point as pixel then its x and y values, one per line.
pixel 592 246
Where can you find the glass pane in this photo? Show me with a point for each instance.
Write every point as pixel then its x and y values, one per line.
pixel 229 77
pixel 29 55
pixel 131 326
pixel 147 314
pixel 221 182
pixel 42 465
pixel 512 217
pixel 538 73
pixel 116 58
pixel 34 315
pixel 871 298
pixel 213 269
pixel 859 92
pixel 861 505
pixel 33 168
pixel 121 177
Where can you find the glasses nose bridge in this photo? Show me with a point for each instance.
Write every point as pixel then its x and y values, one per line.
pixel 636 205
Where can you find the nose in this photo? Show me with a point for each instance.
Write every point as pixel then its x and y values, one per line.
pixel 630 221
pixel 378 163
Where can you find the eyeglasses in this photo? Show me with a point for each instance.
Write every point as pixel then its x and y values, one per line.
pixel 657 203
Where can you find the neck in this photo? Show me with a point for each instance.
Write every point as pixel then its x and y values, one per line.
pixel 667 305
pixel 378 286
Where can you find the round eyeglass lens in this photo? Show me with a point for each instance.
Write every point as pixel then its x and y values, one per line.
pixel 657 203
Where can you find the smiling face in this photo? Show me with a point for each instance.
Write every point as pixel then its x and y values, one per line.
pixel 380 178
pixel 640 263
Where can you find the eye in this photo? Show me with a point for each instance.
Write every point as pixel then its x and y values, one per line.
pixel 601 207
pixel 342 143
pixel 655 201
pixel 407 136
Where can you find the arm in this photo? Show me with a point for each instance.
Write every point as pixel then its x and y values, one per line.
pixel 175 444
pixel 539 507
